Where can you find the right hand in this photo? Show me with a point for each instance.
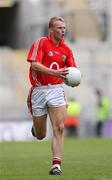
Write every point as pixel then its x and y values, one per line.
pixel 60 73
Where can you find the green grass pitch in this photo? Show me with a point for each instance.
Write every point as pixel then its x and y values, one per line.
pixel 83 159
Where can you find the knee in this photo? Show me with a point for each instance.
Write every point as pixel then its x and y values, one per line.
pixel 61 127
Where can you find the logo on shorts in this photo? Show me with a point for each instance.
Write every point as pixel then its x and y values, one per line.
pixel 63 58
pixel 50 53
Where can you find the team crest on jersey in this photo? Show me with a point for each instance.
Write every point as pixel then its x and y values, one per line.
pixel 63 58
pixel 50 53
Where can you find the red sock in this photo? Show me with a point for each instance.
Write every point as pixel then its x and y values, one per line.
pixel 56 160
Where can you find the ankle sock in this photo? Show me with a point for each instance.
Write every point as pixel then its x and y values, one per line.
pixel 56 162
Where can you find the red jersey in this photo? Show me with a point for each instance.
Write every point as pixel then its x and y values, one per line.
pixel 51 56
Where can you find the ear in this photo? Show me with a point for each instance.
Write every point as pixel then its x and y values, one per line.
pixel 50 31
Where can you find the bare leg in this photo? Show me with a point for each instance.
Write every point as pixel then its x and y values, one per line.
pixel 57 117
pixel 40 126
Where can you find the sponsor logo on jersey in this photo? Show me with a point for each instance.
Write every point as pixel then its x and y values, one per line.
pixel 56 52
pixel 50 53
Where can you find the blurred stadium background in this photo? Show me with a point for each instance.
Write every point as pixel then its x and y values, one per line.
pixel 89 24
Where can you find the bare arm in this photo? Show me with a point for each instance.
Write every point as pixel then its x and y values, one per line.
pixel 37 66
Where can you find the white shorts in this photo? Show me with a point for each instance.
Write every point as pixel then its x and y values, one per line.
pixel 42 97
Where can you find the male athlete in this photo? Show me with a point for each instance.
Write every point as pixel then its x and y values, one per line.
pixel 49 57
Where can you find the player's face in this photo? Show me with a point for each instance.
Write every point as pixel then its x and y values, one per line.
pixel 58 30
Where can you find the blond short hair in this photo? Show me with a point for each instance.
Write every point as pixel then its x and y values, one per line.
pixel 53 19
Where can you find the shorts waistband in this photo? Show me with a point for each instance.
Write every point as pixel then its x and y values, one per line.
pixel 48 86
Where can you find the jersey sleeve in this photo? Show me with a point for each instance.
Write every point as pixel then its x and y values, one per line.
pixel 70 59
pixel 35 52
